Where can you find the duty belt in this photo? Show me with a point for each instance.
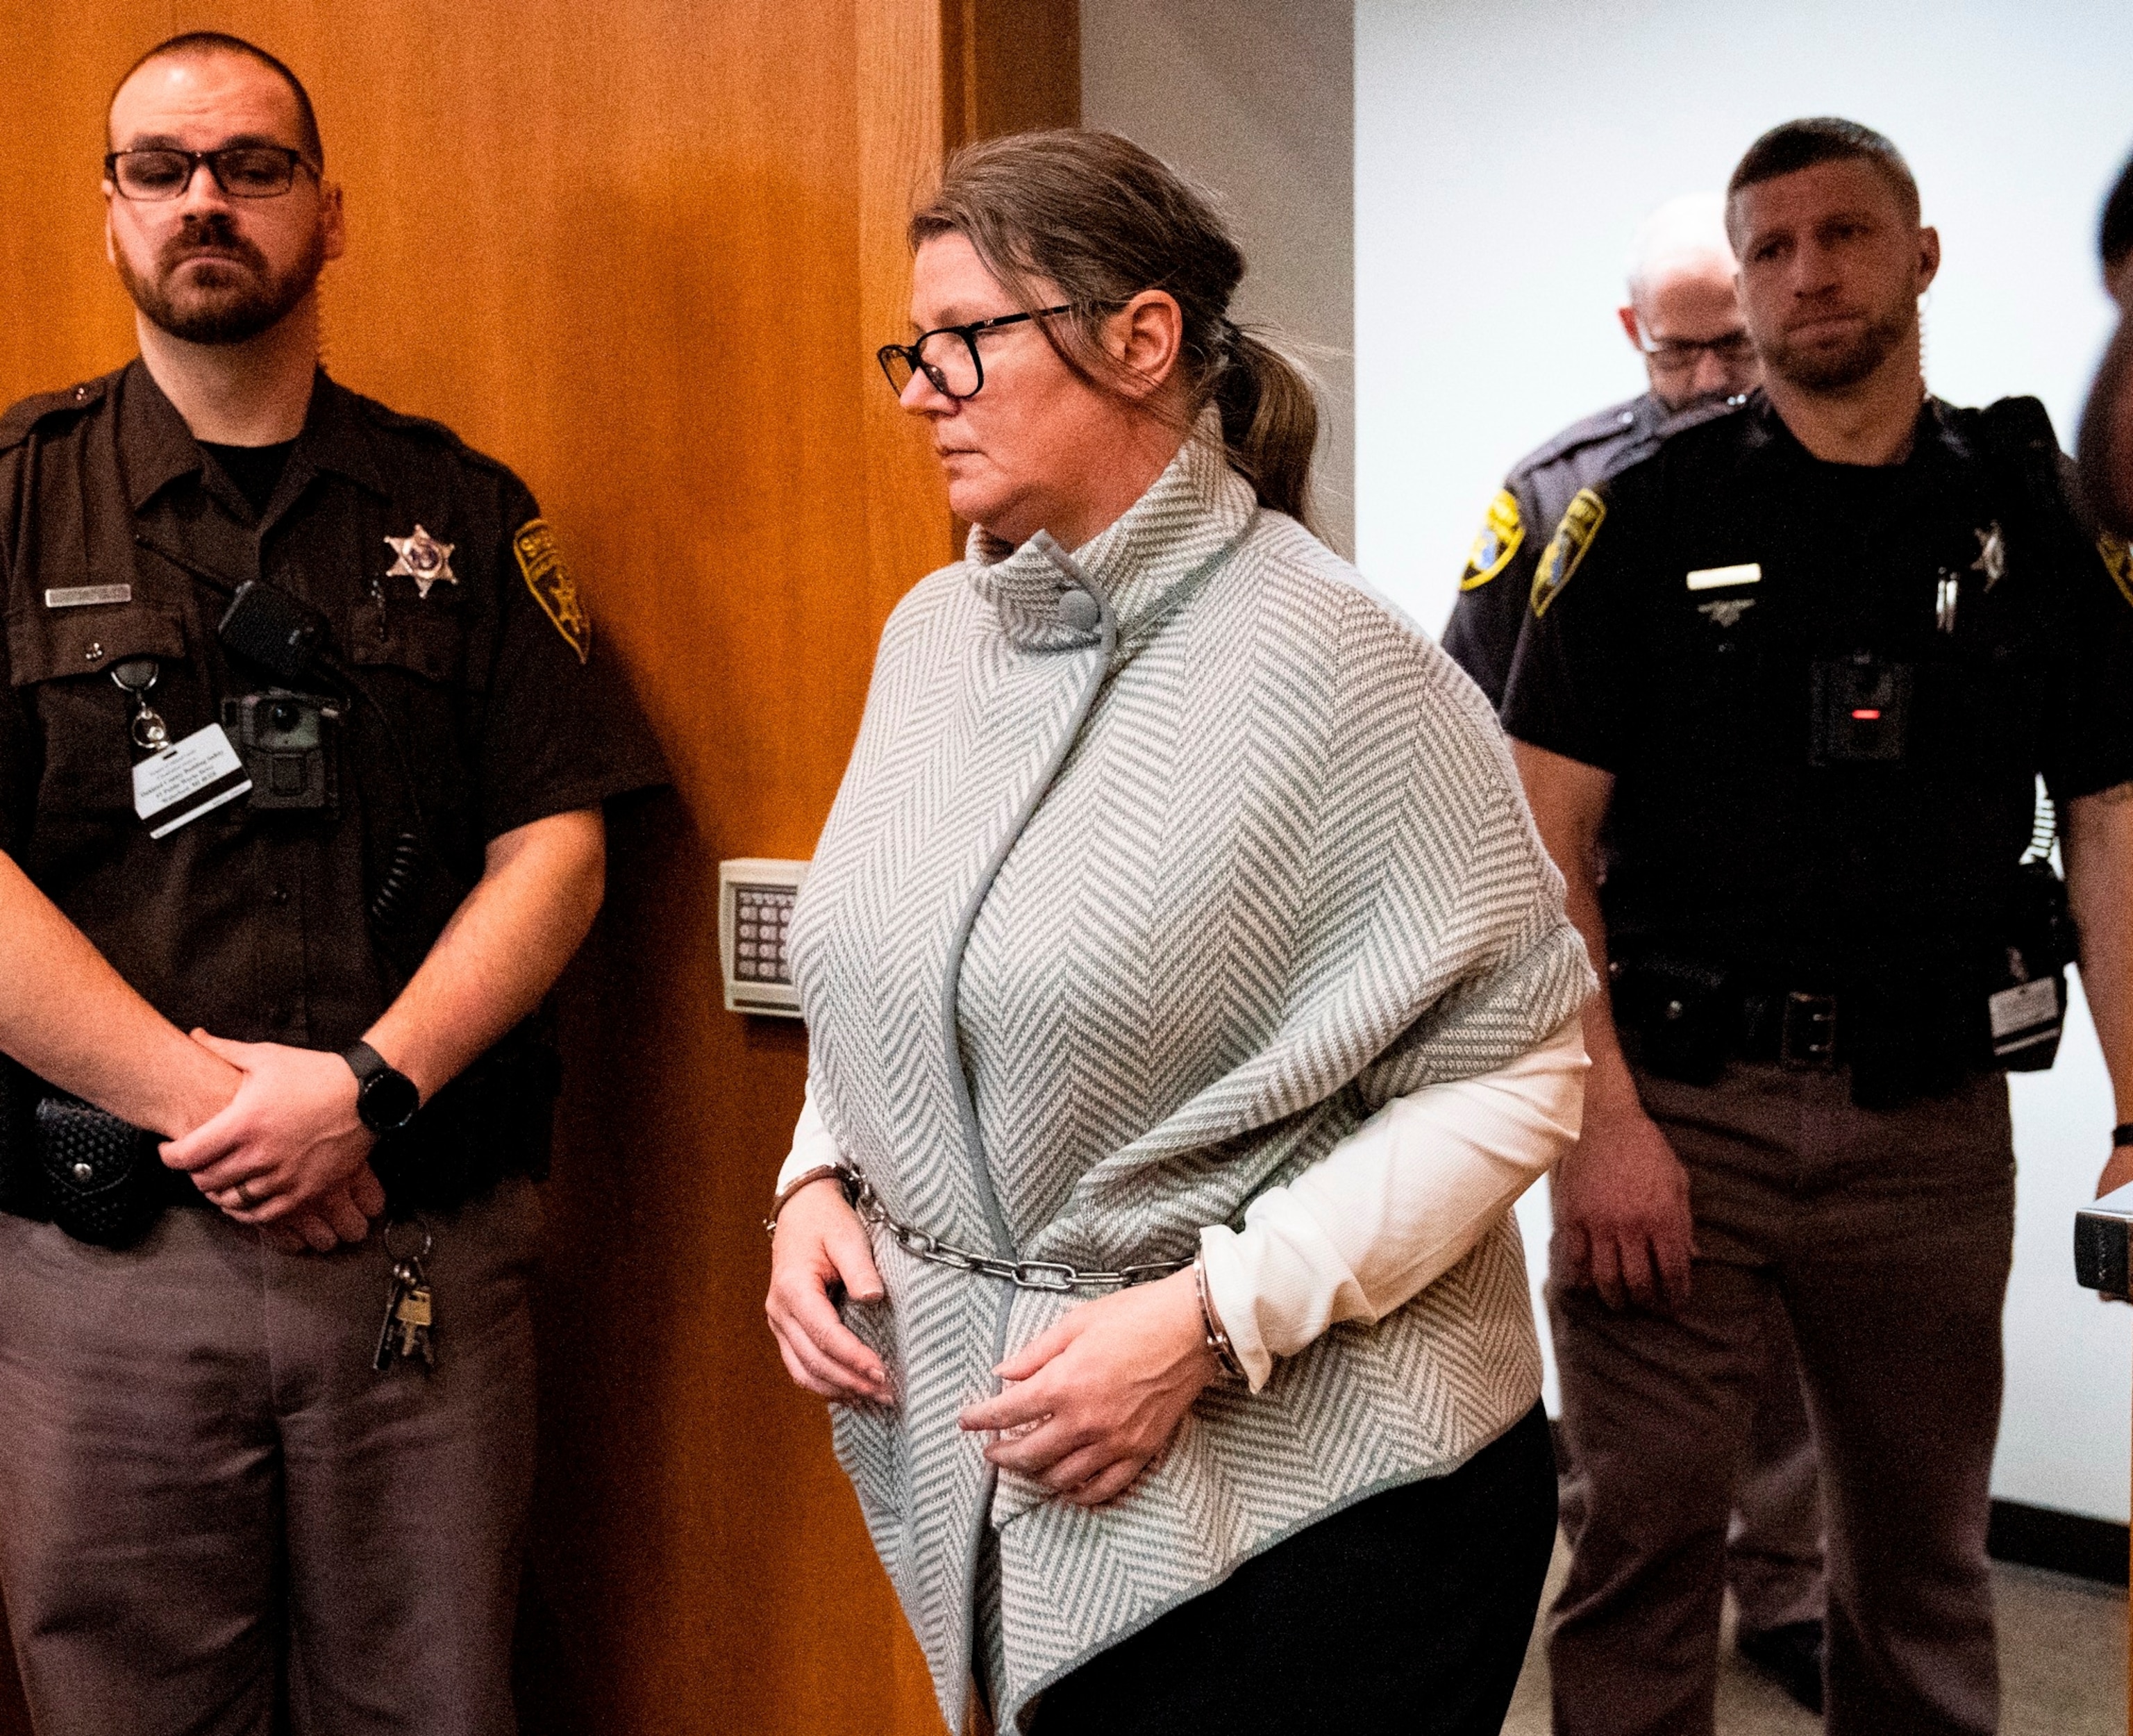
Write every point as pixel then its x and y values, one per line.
pixel 1806 1032
pixel 1023 1273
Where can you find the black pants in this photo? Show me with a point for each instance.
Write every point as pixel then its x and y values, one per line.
pixel 1407 1612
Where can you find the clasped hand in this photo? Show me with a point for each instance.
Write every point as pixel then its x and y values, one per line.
pixel 1088 1404
pixel 287 1155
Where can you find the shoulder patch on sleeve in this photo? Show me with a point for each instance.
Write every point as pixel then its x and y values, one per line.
pixel 1581 524
pixel 2118 558
pixel 552 583
pixel 1501 532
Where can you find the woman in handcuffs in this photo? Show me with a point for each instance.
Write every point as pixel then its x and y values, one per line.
pixel 1189 999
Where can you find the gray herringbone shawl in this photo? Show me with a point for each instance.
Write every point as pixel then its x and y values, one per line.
pixel 1112 928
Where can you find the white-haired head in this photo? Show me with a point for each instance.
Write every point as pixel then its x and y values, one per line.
pixel 1688 232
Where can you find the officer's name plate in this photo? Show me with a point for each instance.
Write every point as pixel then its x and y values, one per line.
pixel 87 596
pixel 187 779
pixel 1711 578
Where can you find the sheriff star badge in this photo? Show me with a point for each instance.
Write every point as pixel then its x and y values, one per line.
pixel 424 559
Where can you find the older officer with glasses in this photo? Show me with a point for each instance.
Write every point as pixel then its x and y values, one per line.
pixel 266 1467
pixel 1189 998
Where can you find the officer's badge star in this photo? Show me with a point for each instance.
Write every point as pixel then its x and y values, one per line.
pixel 424 559
pixel 1992 555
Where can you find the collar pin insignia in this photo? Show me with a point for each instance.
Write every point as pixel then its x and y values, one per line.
pixel 1992 555
pixel 424 559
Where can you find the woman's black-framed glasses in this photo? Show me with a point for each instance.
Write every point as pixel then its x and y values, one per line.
pixel 241 171
pixel 948 354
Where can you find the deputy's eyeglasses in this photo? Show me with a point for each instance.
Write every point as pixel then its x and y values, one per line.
pixel 241 171
pixel 1678 355
pixel 948 355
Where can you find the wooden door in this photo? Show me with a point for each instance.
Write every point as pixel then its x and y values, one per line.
pixel 643 252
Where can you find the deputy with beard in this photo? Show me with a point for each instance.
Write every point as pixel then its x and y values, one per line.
pixel 304 743
pixel 1806 664
pixel 1683 319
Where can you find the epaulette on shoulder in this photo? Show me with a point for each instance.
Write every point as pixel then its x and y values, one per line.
pixel 424 427
pixel 1612 423
pixel 22 418
pixel 2013 424
pixel 1700 426
pixel 1697 416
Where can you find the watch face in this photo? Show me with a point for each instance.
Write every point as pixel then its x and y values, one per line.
pixel 387 1102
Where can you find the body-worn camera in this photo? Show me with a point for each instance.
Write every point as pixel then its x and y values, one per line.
pixel 285 740
pixel 1861 710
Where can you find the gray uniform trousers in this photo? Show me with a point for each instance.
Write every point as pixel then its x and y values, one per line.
pixel 1886 1238
pixel 210 1502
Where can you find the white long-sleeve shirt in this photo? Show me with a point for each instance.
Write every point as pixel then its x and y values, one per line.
pixel 1389 1209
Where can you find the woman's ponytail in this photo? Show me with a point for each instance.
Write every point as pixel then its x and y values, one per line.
pixel 1269 420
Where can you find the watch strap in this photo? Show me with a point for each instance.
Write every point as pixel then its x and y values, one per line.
pixel 386 1099
pixel 365 1062
pixel 2122 1134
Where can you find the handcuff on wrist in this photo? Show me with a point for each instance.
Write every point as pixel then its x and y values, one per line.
pixel 1217 1338
pixel 821 1172
pixel 1213 1334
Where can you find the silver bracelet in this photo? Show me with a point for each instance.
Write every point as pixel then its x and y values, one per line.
pixel 1217 1339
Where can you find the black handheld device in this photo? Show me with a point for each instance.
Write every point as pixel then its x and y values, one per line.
pixel 266 625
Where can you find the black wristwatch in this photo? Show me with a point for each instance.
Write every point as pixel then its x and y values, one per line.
pixel 2121 1135
pixel 385 1100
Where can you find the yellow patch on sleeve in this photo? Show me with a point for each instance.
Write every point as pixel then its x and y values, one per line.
pixel 2118 557
pixel 1581 524
pixel 553 586
pixel 1498 540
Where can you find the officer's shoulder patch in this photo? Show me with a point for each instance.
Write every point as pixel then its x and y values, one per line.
pixel 1502 531
pixel 22 417
pixel 1566 549
pixel 552 583
pixel 2118 560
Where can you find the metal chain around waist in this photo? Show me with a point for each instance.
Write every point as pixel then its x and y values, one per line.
pixel 1024 1274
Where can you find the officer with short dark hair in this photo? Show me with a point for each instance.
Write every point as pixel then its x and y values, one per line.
pixel 1682 320
pixel 1805 664
pixel 304 743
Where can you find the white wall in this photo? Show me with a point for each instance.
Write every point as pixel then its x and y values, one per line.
pixel 1255 98
pixel 1505 151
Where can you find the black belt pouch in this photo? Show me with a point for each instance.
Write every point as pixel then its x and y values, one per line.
pixel 104 1182
pixel 1914 1036
pixel 1682 1015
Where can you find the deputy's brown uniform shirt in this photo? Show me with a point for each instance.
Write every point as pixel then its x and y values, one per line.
pixel 253 924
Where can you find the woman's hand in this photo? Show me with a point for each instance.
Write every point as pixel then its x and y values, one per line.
pixel 1099 1395
pixel 820 1247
